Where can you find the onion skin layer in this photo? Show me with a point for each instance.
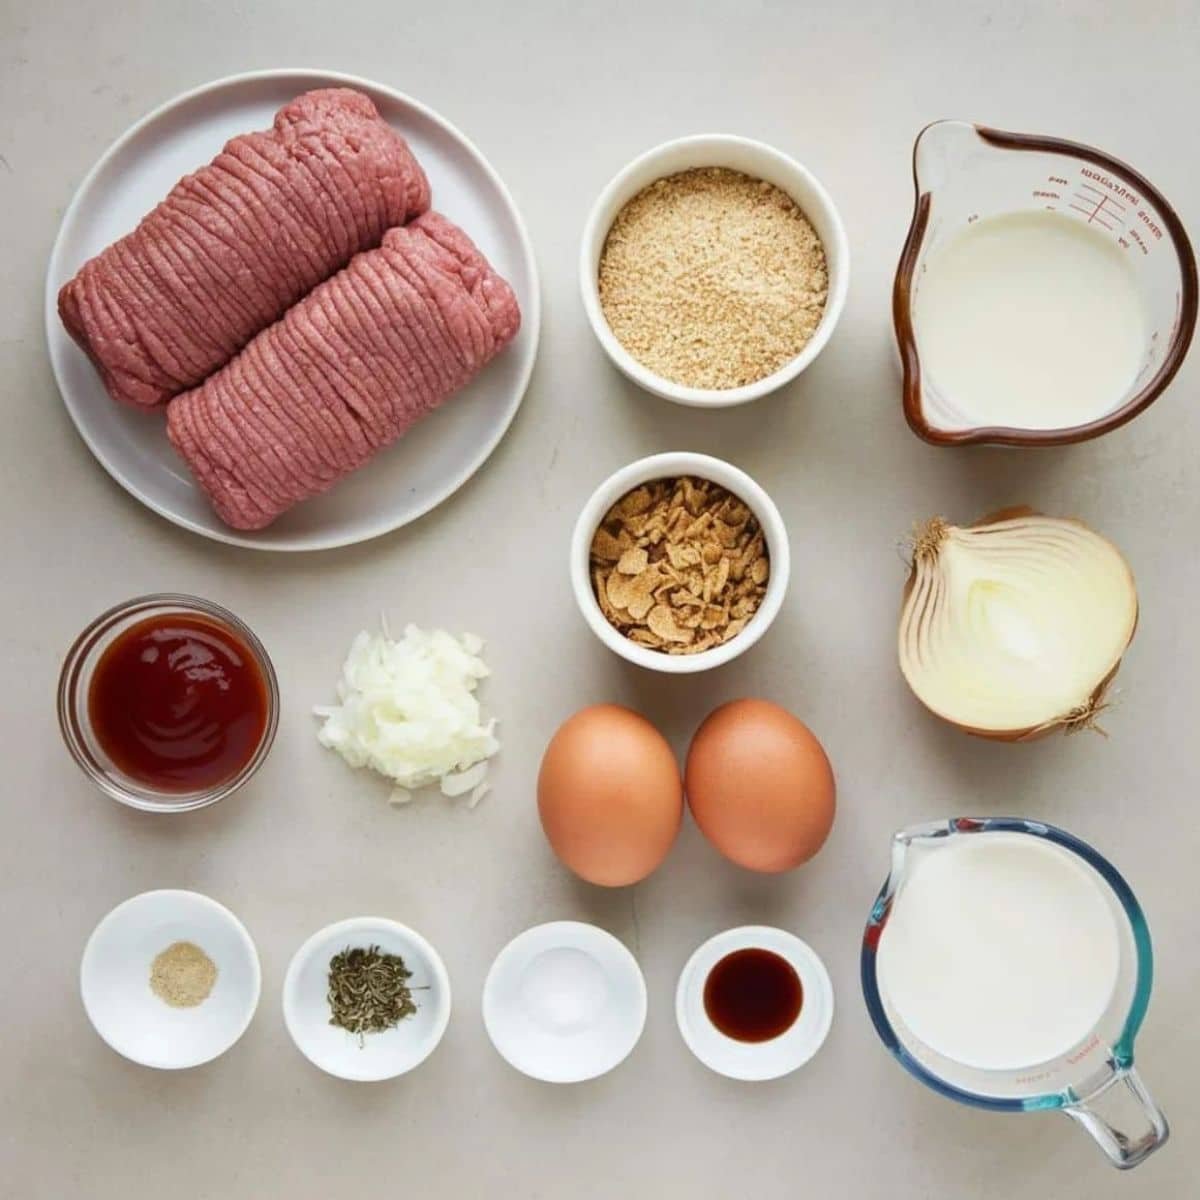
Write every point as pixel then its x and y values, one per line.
pixel 1077 719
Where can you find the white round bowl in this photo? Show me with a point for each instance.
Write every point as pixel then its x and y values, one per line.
pixel 115 979
pixel 755 1061
pixel 667 466
pixel 736 154
pixel 564 1002
pixel 381 1055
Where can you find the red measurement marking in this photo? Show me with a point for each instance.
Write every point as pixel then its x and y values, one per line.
pixel 1083 1051
pixel 1155 231
pixel 1087 187
pixel 1090 213
pixel 1036 1078
pixel 1105 181
pixel 1096 211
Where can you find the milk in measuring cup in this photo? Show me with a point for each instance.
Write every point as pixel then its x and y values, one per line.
pixel 1001 951
pixel 1031 320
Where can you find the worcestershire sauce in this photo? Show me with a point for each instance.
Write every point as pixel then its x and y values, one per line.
pixel 178 702
pixel 753 995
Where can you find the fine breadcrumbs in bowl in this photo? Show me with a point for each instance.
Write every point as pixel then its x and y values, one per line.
pixel 679 565
pixel 712 279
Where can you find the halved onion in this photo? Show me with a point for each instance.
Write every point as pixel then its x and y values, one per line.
pixel 1016 625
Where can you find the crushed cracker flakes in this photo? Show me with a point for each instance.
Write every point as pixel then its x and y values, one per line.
pixel 634 561
pixel 679 565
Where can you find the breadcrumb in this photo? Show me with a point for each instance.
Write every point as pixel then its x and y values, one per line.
pixel 713 279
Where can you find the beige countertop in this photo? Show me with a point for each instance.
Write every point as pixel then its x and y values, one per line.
pixel 559 96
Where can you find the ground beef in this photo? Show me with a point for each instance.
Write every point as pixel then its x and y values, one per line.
pixel 234 245
pixel 345 372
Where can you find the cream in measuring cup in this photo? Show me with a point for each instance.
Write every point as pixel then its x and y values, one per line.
pixel 1031 319
pixel 1007 964
pixel 1001 952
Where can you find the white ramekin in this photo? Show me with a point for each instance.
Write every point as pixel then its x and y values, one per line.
pixel 737 154
pixel 755 1061
pixel 378 1056
pixel 115 972
pixel 671 466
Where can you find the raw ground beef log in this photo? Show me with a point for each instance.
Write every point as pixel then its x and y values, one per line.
pixel 234 245
pixel 344 373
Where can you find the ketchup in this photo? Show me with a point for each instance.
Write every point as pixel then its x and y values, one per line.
pixel 178 702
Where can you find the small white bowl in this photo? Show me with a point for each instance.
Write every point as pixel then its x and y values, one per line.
pixel 115 979
pixel 381 1055
pixel 564 1002
pixel 736 154
pixel 755 1061
pixel 670 466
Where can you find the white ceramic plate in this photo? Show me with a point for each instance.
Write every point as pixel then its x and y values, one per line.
pixel 114 979
pixel 432 461
pixel 381 1055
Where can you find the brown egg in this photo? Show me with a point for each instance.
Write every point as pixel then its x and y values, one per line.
pixel 610 795
pixel 760 786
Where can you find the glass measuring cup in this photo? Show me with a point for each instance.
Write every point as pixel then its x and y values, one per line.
pixel 1094 1081
pixel 964 172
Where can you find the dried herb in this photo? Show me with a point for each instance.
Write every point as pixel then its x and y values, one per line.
pixel 368 991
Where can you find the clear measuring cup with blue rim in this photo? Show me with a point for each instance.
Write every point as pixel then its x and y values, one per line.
pixel 1094 1081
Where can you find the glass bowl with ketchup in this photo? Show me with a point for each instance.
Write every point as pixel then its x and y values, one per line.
pixel 168 702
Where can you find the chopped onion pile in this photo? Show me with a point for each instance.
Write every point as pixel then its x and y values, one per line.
pixel 408 710
pixel 1016 625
